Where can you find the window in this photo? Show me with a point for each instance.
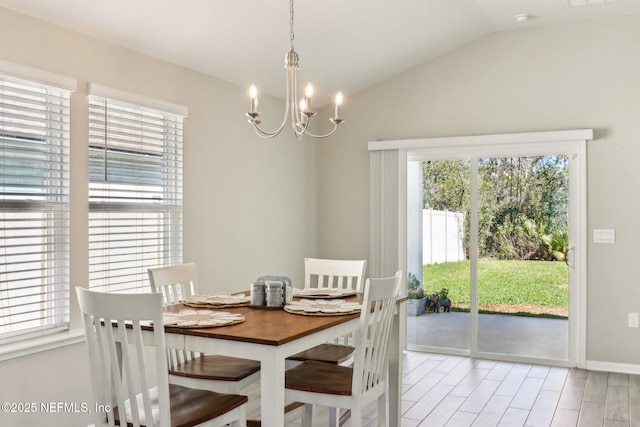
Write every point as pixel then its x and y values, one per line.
pixel 135 190
pixel 34 203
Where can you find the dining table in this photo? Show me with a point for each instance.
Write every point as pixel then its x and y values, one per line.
pixel 270 335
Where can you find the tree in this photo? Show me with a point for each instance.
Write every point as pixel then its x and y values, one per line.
pixel 446 185
pixel 521 202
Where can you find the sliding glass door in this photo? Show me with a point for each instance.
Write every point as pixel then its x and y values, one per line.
pixel 522 245
pixel 445 187
pixel 499 228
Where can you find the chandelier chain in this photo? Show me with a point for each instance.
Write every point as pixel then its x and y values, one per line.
pixel 291 35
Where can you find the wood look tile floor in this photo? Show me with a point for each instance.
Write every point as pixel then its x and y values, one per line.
pixel 455 391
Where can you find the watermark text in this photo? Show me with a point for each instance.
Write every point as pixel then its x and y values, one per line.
pixel 52 407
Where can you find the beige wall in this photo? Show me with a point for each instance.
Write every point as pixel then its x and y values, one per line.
pixel 566 77
pixel 249 205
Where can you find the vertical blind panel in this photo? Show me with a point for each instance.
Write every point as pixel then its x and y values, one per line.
pixel 135 193
pixel 34 208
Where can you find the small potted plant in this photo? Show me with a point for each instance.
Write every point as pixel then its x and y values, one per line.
pixel 417 299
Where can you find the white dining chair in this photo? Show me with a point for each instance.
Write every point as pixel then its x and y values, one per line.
pixel 130 383
pixel 191 369
pixel 330 273
pixel 352 388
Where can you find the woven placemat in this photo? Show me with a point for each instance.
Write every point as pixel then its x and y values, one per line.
pixel 323 293
pixel 321 307
pixel 189 318
pixel 318 314
pixel 212 305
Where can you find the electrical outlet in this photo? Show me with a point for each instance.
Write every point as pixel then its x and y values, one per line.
pixel 633 320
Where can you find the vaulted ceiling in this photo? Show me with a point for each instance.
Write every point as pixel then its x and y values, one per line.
pixel 345 45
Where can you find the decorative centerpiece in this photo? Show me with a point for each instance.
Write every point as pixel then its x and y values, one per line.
pixel 439 301
pixel 445 302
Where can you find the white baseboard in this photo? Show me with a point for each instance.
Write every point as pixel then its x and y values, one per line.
pixel 623 368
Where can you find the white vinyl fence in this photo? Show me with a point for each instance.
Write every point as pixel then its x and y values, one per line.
pixel 442 236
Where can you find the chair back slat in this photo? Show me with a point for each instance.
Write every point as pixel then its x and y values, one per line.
pixel 330 273
pixel 128 366
pixel 99 344
pixel 144 384
pixel 372 338
pixel 122 372
pixel 175 282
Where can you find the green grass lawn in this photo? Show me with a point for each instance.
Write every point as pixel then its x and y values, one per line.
pixel 518 287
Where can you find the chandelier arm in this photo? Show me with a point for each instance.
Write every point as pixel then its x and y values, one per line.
pixel 265 134
pixel 335 127
pixel 292 89
pixel 298 125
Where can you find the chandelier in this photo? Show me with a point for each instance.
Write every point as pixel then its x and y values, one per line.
pixel 300 109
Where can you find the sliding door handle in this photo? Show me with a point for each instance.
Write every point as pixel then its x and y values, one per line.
pixel 568 257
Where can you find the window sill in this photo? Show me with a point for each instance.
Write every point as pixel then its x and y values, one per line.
pixel 37 345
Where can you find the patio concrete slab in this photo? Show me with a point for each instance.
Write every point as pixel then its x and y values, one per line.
pixel 497 333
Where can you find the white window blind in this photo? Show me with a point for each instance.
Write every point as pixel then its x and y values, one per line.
pixel 34 207
pixel 135 193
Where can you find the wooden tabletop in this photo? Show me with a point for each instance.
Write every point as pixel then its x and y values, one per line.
pixel 266 326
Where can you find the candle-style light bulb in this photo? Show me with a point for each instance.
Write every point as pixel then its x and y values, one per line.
pixel 253 94
pixel 309 94
pixel 338 104
pixel 303 110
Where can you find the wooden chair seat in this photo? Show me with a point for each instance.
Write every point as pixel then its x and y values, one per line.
pixel 190 407
pixel 320 377
pixel 216 367
pixel 336 354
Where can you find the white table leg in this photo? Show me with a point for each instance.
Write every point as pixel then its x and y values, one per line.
pixel 272 388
